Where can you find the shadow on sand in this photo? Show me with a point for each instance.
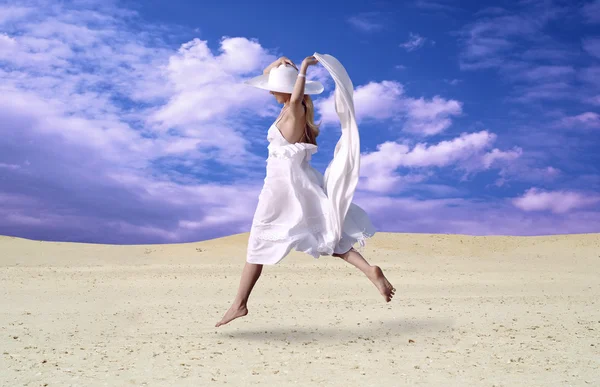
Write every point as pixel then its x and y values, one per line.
pixel 374 330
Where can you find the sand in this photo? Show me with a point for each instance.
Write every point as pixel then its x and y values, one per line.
pixel 468 311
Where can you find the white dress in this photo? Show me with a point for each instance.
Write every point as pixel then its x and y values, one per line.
pixel 298 208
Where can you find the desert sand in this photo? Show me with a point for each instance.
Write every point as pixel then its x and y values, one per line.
pixel 468 311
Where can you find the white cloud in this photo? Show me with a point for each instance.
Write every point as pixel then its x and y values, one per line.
pixel 243 56
pixel 466 152
pixel 386 101
pixel 557 202
pixel 496 156
pixel 414 41
pixel 185 97
pixel 424 155
pixel 7 44
pixel 207 87
pixel 431 117
pixel 375 100
pixel 104 118
pixel 80 91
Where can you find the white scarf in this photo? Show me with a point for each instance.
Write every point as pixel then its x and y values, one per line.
pixel 341 176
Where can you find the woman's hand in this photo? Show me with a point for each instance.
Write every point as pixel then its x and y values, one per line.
pixel 278 62
pixel 309 61
pixel 285 60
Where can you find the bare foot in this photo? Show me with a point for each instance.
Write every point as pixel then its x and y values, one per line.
pixel 234 312
pixel 385 287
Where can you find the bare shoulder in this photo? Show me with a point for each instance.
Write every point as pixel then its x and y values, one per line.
pixel 292 124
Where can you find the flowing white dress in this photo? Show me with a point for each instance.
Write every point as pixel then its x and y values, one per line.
pixel 298 208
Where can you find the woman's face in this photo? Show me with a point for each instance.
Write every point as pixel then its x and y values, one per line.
pixel 280 97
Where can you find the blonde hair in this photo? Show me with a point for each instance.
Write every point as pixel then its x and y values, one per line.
pixel 311 129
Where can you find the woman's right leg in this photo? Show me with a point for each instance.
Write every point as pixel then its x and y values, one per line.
pixel 239 308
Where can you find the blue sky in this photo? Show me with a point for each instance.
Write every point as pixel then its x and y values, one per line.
pixel 128 122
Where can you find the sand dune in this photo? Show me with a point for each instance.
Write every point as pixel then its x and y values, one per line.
pixel 469 311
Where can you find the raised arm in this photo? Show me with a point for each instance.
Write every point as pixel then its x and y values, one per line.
pixel 298 92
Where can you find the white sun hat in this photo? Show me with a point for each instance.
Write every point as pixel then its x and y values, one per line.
pixel 282 79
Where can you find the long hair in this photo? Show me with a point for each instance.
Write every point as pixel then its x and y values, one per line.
pixel 311 130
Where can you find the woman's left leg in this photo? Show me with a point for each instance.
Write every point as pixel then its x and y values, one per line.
pixel 374 273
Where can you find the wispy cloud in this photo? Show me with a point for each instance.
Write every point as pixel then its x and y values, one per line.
pixel 587 120
pixel 453 82
pixel 592 46
pixel 519 44
pixel 591 11
pixel 414 42
pixel 367 22
pixel 502 37
pixel 595 100
pixel 549 91
pixel 591 75
pixel 434 5
pixel 545 72
pixel 488 42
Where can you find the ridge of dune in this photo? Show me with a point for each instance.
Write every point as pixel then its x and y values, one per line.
pixel 232 249
pixel 243 237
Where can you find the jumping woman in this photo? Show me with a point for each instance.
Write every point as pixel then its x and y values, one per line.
pixel 298 208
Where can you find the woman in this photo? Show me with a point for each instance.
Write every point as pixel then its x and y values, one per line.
pixel 299 208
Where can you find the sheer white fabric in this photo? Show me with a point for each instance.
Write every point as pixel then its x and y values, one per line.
pixel 301 209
